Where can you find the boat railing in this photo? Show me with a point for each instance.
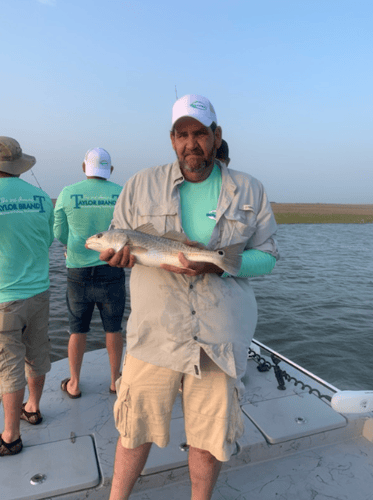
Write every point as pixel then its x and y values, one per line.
pixel 281 374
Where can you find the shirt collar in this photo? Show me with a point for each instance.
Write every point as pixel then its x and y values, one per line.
pixel 227 181
pixel 176 174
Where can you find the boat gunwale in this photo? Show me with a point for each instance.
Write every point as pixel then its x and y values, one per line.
pixel 296 366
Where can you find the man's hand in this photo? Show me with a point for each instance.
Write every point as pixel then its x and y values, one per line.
pixel 122 258
pixel 191 268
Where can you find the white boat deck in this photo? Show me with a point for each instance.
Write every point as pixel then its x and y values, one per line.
pixel 295 446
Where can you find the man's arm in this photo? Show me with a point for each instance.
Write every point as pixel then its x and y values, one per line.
pixel 255 263
pixel 60 227
pixel 261 251
pixel 51 222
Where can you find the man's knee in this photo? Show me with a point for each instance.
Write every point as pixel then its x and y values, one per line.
pixel 200 458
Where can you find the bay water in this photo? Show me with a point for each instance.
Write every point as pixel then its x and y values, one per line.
pixel 316 307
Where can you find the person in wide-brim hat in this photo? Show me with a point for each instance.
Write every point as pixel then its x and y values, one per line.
pixel 26 217
pixel 12 160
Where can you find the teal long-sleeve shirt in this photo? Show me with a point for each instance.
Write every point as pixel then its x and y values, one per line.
pixel 26 229
pixel 82 210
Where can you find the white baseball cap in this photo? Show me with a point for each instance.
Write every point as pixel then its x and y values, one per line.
pixel 97 163
pixel 195 106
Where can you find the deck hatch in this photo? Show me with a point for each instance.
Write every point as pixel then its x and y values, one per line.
pixel 292 417
pixel 50 469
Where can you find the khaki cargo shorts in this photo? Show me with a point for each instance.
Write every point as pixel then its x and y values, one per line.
pixel 146 394
pixel 24 341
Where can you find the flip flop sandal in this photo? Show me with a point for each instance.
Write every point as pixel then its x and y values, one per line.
pixel 10 448
pixel 64 389
pixel 33 418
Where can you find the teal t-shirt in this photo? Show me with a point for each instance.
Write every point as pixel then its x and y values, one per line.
pixel 198 206
pixel 82 210
pixel 199 201
pixel 26 228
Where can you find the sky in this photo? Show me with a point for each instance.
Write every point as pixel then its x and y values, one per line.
pixel 291 82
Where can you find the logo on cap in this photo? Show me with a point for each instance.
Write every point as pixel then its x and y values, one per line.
pixel 198 105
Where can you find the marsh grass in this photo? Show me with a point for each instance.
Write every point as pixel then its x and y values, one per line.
pixel 308 213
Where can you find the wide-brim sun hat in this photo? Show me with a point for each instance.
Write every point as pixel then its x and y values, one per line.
pixel 195 106
pixel 12 159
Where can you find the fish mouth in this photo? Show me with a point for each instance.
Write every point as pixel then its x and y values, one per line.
pixel 92 243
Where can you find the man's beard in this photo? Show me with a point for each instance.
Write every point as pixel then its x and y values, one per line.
pixel 184 165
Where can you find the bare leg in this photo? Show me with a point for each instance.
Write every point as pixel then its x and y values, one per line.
pixel 114 345
pixel 35 387
pixel 12 412
pixel 204 470
pixel 127 467
pixel 76 350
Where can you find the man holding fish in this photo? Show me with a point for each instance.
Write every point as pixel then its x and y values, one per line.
pixel 196 231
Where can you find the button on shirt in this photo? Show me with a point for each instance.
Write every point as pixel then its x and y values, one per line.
pixel 173 316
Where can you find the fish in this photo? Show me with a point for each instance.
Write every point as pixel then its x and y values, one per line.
pixel 153 249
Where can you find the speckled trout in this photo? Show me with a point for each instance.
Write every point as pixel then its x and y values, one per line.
pixel 152 249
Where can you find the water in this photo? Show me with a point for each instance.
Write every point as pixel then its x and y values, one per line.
pixel 316 307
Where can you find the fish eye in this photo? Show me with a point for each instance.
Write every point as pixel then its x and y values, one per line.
pixel 220 252
pixel 100 235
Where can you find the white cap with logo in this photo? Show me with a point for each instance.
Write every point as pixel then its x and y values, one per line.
pixel 195 106
pixel 97 163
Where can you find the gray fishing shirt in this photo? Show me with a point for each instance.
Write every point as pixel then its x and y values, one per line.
pixel 172 315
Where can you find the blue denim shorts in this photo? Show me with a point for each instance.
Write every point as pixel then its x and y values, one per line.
pixel 103 286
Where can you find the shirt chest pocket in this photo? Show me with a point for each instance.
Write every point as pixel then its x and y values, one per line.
pixel 239 225
pixel 163 217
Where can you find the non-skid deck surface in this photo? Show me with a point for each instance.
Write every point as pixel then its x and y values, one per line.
pixel 317 454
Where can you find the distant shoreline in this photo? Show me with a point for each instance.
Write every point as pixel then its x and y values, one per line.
pixel 319 213
pixel 322 213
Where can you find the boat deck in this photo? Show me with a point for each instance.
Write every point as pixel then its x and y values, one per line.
pixel 294 447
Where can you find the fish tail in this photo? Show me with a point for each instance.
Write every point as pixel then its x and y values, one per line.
pixel 232 260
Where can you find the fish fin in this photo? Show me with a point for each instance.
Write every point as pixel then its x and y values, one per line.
pixel 175 236
pixel 121 248
pixel 232 259
pixel 148 228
